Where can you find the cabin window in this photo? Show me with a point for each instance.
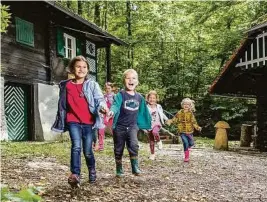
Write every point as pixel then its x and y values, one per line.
pixel 67 45
pixel 24 32
pixel 70 46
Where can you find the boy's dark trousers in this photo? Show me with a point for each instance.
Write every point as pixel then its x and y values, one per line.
pixel 128 135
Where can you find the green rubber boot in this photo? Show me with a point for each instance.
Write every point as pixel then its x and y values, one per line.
pixel 119 169
pixel 135 167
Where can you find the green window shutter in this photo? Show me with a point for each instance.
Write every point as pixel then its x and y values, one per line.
pixel 60 43
pixel 24 32
pixel 78 47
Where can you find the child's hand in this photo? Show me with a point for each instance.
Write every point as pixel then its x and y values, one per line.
pixel 104 110
pixel 110 114
pixel 199 129
pixel 168 122
pixel 145 131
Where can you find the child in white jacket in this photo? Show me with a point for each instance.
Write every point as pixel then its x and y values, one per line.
pixel 157 119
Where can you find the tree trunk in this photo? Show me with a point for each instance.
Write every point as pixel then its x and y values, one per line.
pixel 129 28
pixel 105 16
pixel 80 9
pixel 246 135
pixel 68 4
pixel 97 14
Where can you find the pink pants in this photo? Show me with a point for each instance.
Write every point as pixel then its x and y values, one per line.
pixel 153 136
pixel 101 132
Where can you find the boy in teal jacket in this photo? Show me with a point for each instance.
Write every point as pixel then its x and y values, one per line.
pixel 130 114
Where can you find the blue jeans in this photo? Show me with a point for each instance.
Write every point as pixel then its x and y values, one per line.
pixel 128 135
pixel 188 140
pixel 81 135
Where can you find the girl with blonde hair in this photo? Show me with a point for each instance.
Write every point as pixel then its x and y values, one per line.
pixel 186 123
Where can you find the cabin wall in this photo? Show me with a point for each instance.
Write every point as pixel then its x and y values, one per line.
pixel 3 124
pixel 23 63
pixel 39 68
pixel 261 140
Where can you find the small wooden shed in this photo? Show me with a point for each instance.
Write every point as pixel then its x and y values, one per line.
pixel 245 74
pixel 40 40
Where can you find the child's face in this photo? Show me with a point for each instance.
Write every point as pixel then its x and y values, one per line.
pixel 186 106
pixel 152 99
pixel 80 69
pixel 108 89
pixel 130 81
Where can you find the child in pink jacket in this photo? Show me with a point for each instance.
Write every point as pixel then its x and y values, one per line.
pixel 109 97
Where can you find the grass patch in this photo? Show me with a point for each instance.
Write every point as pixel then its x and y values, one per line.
pixel 209 143
pixel 203 142
pixel 58 150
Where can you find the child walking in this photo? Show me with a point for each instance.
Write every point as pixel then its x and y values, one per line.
pixel 79 106
pixel 158 118
pixel 130 114
pixel 186 123
pixel 109 97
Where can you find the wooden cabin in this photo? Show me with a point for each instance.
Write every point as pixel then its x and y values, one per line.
pixel 245 74
pixel 40 40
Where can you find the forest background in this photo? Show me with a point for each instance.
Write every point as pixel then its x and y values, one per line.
pixel 178 48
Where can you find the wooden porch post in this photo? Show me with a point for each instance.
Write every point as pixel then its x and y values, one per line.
pixel 261 139
pixel 108 63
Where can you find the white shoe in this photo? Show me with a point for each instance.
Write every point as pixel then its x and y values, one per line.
pixel 160 145
pixel 152 157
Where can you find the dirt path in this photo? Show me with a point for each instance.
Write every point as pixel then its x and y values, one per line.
pixel 210 176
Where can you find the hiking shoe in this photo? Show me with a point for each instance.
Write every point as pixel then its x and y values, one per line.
pixel 74 180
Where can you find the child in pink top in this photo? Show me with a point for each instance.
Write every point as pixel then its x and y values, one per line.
pixel 109 97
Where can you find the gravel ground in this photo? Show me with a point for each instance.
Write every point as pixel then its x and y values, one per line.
pixel 209 176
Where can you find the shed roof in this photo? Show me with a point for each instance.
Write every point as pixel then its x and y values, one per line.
pixel 98 30
pixel 239 81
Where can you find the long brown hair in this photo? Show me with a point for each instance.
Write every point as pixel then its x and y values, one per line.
pixel 76 59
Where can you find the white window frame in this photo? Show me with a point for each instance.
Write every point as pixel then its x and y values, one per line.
pixel 73 46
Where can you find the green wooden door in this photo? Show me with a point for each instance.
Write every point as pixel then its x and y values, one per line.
pixel 16 111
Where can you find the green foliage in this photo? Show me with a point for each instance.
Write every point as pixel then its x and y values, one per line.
pixel 5 17
pixel 177 47
pixel 24 195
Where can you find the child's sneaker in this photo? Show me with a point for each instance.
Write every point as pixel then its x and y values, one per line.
pixel 159 143
pixel 152 157
pixel 74 180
